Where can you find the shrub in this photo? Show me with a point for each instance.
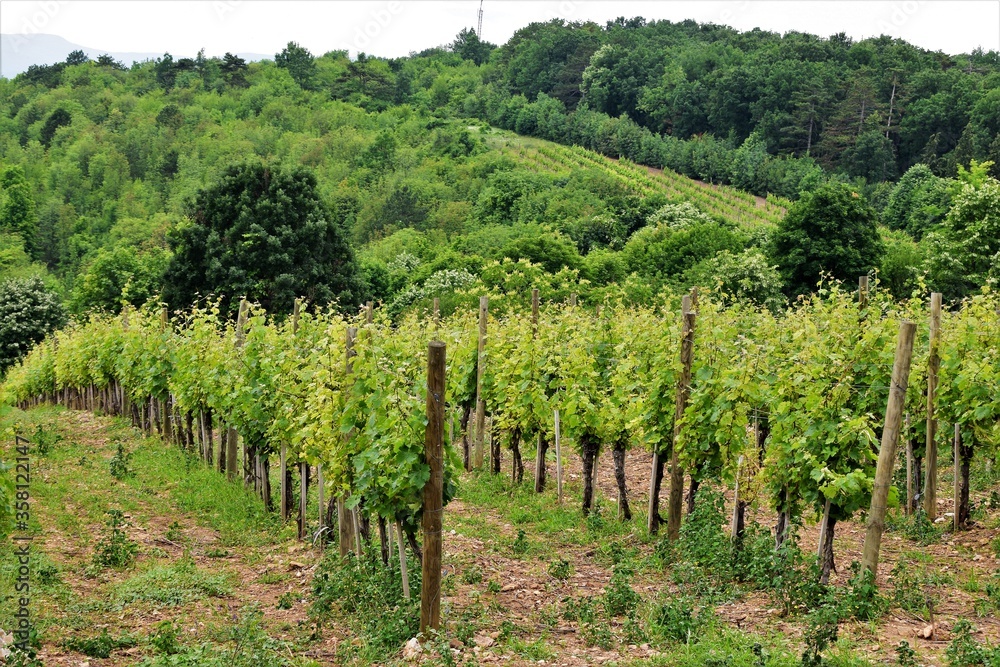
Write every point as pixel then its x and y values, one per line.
pixel 115 549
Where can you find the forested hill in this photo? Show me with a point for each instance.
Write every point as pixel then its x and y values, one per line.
pixel 414 162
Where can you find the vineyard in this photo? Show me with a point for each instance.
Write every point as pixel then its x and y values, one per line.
pixel 723 201
pixel 747 413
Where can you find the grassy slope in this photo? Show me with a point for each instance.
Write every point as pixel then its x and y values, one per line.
pixel 208 555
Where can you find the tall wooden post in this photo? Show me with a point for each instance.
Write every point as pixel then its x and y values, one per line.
pixel 303 498
pixel 540 444
pixel 369 312
pixel 887 450
pixel 320 488
pixel 933 366
pixel 484 302
pixel 436 310
pixel 345 519
pixel 283 462
pixel 232 437
pixel 863 292
pixel 572 299
pixel 430 588
pixel 683 391
pixel 559 476
pixel 956 445
pixel 909 465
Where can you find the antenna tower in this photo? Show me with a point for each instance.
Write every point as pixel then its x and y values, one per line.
pixel 479 30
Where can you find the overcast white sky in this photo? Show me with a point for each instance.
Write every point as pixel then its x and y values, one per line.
pixel 395 28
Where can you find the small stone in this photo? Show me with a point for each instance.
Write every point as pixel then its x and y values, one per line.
pixel 412 650
pixel 483 641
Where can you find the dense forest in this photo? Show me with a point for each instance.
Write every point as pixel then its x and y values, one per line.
pixel 195 176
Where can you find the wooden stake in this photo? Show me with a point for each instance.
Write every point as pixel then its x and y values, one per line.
pixel 480 403
pixel 559 476
pixel 957 447
pixel 862 292
pixel 241 322
pixel 436 311
pixel 283 465
pixel 303 498
pixel 283 461
pixel 733 529
pixel 319 495
pixel 572 299
pixel 933 365
pixel 345 520
pixel 909 467
pixel 430 587
pixel 676 498
pixel 822 531
pixel 534 312
pixel 402 560
pixel 369 312
pixel 887 450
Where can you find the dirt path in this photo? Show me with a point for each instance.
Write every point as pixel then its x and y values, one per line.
pixel 172 541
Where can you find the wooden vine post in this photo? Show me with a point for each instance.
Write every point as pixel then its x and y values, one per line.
pixel 933 366
pixel 559 476
pixel 484 302
pixel 232 437
pixel 887 450
pixel 430 589
pixel 345 518
pixel 540 449
pixel 283 462
pixel 909 466
pixel 863 292
pixel 956 445
pixel 165 416
pixel 683 392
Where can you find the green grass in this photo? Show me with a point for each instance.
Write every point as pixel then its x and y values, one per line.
pixel 173 584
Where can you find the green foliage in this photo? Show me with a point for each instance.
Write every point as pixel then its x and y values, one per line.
pixel 560 569
pixel 262 232
pixel 45 439
pixel 172 585
pixel 965 651
pixel 118 466
pixel 369 596
pixel 472 575
pixel 676 619
pixel 100 646
pixel 28 312
pixel 746 276
pixel 862 599
pixel 114 549
pixel 247 644
pixel 620 599
pixel 164 640
pixel 116 277
pixel 820 633
pixel 830 231
pixel 520 545
pixel 905 655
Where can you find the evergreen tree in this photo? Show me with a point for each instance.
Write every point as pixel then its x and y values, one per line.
pixel 263 233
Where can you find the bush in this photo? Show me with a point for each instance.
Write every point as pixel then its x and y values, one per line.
pixel 674 619
pixel 28 312
pixel 115 549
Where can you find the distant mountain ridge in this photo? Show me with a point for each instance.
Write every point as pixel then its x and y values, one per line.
pixel 19 52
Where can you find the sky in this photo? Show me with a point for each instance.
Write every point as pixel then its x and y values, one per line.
pixel 391 28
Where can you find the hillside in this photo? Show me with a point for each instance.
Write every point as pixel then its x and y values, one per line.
pixel 415 161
